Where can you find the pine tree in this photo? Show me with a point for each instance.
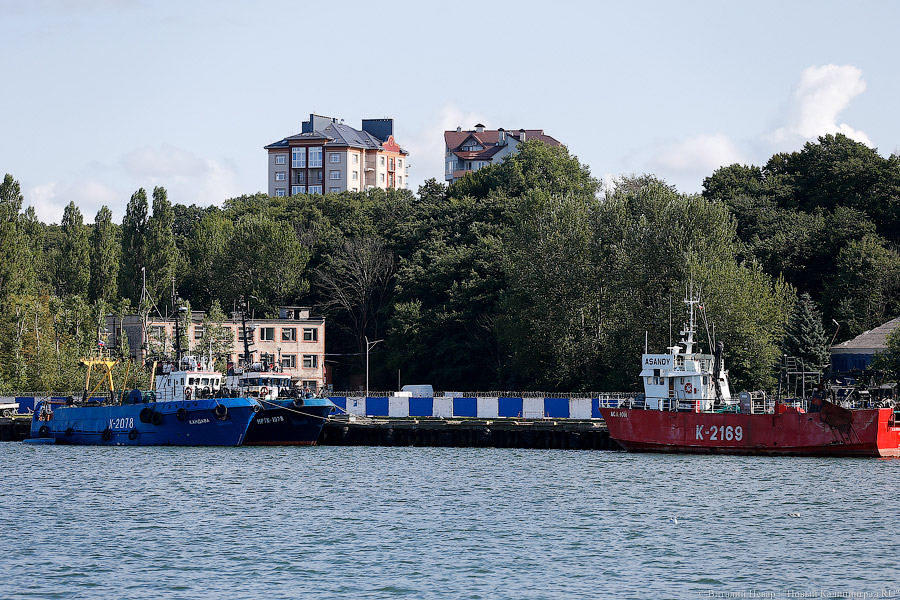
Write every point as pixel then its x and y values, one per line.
pixel 10 242
pixel 134 244
pixel 805 337
pixel 73 273
pixel 105 252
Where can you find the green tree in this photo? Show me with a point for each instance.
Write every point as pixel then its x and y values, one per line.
pixel 10 240
pixel 888 360
pixel 105 253
pixel 73 271
pixel 162 258
pixel 134 247
pixel 217 340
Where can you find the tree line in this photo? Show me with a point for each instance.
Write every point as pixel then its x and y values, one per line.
pixel 520 276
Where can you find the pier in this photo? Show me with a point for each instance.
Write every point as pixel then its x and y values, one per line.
pixel 444 433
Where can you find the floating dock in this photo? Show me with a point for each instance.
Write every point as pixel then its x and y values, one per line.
pixel 472 433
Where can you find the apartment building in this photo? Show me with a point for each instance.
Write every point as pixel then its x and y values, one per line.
pixel 468 151
pixel 295 340
pixel 328 156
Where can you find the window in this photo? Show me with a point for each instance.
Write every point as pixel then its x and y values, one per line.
pixel 334 190
pixel 241 334
pixel 382 161
pixel 198 332
pixel 315 189
pixel 310 361
pixel 449 167
pixel 399 163
pixel 399 181
pixel 158 332
pixel 310 334
pixel 298 158
pixel 310 384
pixel 280 176
pixel 334 157
pixel 299 177
pixel 280 192
pixel 355 175
pixel 382 178
pixel 334 175
pixel 356 159
pixel 288 334
pixel 267 359
pixel 289 361
pixel 298 189
pixel 315 157
pixel 391 164
pixel 280 159
pixel 267 334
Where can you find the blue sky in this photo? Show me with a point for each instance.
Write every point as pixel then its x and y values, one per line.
pixel 102 97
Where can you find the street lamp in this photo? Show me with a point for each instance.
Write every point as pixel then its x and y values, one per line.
pixel 369 346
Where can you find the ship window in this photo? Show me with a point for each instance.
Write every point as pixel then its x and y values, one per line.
pixel 204 381
pixel 706 380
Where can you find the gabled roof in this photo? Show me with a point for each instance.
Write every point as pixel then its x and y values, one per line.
pixel 870 341
pixel 491 137
pixel 333 136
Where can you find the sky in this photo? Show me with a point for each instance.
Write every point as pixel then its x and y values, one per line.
pixel 102 97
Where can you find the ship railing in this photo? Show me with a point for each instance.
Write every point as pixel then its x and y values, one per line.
pixel 610 397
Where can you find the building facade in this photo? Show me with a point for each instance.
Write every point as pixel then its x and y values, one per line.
pixel 295 340
pixel 468 151
pixel 328 156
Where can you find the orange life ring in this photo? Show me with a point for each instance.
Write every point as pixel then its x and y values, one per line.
pixel 263 391
pixel 688 388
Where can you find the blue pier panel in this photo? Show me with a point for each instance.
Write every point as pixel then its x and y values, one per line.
pixel 339 401
pixel 26 404
pixel 376 407
pixel 509 407
pixel 595 408
pixel 556 408
pixel 465 407
pixel 421 407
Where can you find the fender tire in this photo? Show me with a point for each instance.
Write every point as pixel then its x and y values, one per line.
pixel 221 411
pixel 157 418
pixel 106 435
pixel 299 403
pixel 132 435
pixel 181 414
pixel 43 431
pixel 146 414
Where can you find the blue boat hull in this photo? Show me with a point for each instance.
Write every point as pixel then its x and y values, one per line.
pixel 202 422
pixel 281 423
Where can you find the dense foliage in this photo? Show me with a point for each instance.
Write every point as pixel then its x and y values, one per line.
pixel 520 276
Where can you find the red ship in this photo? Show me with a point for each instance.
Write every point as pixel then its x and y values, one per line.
pixel 687 407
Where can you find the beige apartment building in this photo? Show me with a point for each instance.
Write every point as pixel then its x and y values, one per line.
pixel 295 340
pixel 328 156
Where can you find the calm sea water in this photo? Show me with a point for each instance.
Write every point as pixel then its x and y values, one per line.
pixel 326 522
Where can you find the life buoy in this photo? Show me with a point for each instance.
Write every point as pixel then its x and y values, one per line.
pixel 157 418
pixel 132 435
pixel 181 414
pixel 688 388
pixel 187 393
pixel 221 411
pixel 263 391
pixel 106 435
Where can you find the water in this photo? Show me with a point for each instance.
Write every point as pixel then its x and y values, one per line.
pixel 360 522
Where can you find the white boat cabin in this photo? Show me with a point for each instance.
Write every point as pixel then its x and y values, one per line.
pixel 193 380
pixel 683 379
pixel 259 382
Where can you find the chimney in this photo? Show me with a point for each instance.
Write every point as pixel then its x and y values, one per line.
pixel 458 129
pixel 501 137
pixel 521 135
pixel 479 128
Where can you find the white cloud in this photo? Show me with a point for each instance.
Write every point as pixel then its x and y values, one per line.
pixel 188 179
pixel 698 154
pixel 426 146
pixel 817 100
pixel 50 199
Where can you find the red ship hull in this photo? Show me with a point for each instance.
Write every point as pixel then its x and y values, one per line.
pixel 866 432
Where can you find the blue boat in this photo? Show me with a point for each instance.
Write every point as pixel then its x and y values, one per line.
pixel 289 416
pixel 201 422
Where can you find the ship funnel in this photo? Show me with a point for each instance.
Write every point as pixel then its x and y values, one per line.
pixel 717 368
